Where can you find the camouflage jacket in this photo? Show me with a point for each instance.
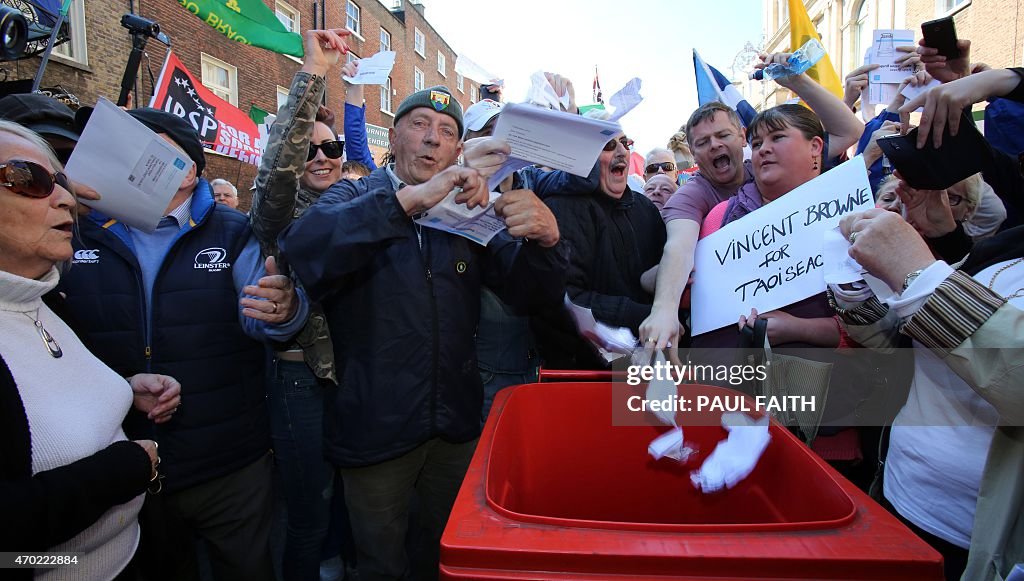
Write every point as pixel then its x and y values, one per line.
pixel 279 199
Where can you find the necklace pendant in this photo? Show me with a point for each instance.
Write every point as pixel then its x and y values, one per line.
pixel 49 341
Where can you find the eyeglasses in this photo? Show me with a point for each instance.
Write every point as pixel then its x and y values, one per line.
pixel 625 141
pixel 331 149
pixel 31 179
pixel 663 166
pixel 954 199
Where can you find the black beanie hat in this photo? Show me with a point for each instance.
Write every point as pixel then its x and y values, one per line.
pixel 179 130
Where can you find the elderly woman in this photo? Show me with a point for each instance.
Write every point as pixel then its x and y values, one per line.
pixel 69 480
pixel 956 452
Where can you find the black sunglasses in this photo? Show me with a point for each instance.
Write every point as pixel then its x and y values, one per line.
pixel 625 141
pixel 332 149
pixel 664 166
pixel 31 179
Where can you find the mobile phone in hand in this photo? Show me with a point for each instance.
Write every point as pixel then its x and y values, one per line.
pixel 936 169
pixel 941 34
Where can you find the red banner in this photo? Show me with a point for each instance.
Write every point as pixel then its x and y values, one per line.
pixel 221 126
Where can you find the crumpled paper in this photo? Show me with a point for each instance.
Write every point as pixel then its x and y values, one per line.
pixel 735 457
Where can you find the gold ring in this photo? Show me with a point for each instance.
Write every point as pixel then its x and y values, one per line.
pixel 274 312
pixel 853 237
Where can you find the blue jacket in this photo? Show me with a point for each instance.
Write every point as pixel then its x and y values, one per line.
pixel 402 316
pixel 356 146
pixel 189 329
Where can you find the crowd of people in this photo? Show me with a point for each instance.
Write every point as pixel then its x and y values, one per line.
pixel 147 401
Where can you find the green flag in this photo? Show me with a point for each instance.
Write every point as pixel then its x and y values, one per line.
pixel 248 22
pixel 258 115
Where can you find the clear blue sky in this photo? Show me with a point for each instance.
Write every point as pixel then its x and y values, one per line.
pixel 650 39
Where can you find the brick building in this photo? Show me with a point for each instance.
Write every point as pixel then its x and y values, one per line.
pixel 91 64
pixel 995 28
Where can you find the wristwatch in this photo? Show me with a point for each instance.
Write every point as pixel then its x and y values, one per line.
pixel 910 278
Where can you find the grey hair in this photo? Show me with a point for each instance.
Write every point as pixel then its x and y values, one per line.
pixel 971 189
pixel 224 182
pixel 659 150
pixel 22 132
pixel 34 138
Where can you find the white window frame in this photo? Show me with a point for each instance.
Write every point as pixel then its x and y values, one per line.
pixel 282 8
pixel 442 64
pixel 419 81
pixel 419 43
pixel 460 82
pixel 282 98
pixel 474 94
pixel 384 34
pixel 76 49
pixel 358 17
pixel 941 10
pixel 231 90
pixel 386 105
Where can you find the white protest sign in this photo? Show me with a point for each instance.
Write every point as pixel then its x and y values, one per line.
pixel 772 257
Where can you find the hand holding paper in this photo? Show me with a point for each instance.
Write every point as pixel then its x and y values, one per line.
pixel 137 174
pixel 555 139
pixel 528 217
pixel 374 70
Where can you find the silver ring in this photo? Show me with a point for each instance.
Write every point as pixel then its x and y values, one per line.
pixel 650 340
pixel 853 237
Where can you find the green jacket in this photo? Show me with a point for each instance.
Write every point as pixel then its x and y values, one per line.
pixel 279 199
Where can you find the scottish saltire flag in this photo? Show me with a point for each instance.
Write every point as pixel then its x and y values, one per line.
pixel 713 86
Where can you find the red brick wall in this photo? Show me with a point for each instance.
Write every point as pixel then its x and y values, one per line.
pixel 259 71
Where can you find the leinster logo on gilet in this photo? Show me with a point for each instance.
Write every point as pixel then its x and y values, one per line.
pixel 212 260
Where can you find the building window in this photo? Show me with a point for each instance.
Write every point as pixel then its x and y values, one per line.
pixel 288 16
pixel 441 64
pixel 351 56
pixel 949 6
pixel 221 78
pixel 460 82
pixel 385 96
pixel 75 48
pixel 419 43
pixel 862 31
pixel 385 40
pixel 352 17
pixel 417 79
pixel 282 98
pixel 474 94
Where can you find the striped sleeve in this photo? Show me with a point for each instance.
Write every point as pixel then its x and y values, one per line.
pixel 957 308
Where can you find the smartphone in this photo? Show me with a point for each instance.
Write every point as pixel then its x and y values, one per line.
pixel 485 93
pixel 937 169
pixel 941 34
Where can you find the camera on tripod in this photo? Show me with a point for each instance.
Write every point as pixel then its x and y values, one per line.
pixel 138 25
pixel 13 33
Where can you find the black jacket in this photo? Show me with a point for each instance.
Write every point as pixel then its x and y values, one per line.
pixel 403 316
pixel 192 333
pixel 612 242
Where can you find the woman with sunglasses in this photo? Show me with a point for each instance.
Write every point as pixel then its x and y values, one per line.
pixel 69 479
pixel 303 159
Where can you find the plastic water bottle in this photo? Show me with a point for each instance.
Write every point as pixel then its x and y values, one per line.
pixel 804 58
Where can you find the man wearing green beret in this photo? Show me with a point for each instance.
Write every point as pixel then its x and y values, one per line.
pixel 402 302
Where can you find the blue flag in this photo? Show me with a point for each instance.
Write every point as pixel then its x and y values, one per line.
pixel 713 86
